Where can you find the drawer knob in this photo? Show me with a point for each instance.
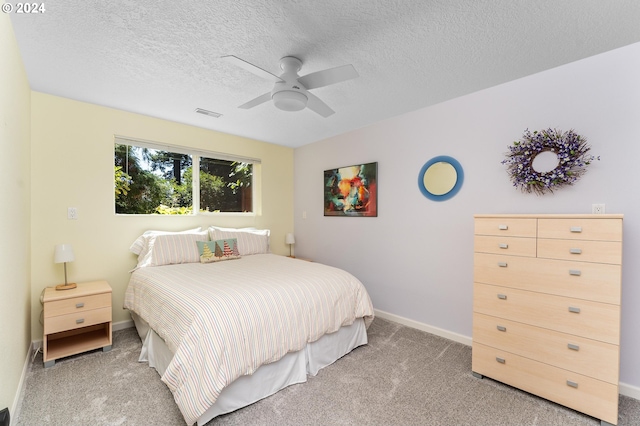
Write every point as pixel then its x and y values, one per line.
pixel 503 227
pixel 500 360
pixel 573 347
pixel 80 305
pixel 575 251
pixel 79 320
pixel 501 328
pixel 574 310
pixel 575 272
pixel 502 264
pixel 503 246
pixel 502 296
pixel 572 383
pixel 576 229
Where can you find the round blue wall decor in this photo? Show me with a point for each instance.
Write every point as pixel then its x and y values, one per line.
pixel 440 178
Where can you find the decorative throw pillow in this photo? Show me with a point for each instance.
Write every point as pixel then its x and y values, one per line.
pixel 215 251
pixel 250 240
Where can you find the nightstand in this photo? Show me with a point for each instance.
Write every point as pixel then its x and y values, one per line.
pixel 76 320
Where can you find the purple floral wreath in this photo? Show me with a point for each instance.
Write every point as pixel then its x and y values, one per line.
pixel 570 148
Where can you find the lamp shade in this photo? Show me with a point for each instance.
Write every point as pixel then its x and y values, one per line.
pixel 63 254
pixel 289 239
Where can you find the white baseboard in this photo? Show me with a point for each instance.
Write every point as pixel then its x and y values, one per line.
pixel 629 390
pixel 121 325
pixel 15 407
pixel 624 389
pixel 465 340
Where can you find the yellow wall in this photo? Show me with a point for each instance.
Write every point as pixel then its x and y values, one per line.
pixel 72 166
pixel 14 216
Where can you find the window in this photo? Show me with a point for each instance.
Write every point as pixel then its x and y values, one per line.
pixel 154 179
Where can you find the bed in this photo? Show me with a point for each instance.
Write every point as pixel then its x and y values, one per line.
pixel 225 334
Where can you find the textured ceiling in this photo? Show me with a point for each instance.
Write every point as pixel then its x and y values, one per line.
pixel 162 58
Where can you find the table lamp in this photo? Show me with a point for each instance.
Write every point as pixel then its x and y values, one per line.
pixel 290 239
pixel 64 254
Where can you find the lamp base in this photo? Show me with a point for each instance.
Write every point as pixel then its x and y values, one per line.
pixel 66 286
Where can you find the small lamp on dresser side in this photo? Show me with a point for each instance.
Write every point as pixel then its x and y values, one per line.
pixel 63 254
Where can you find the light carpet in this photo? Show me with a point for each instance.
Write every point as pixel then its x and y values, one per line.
pixel 402 377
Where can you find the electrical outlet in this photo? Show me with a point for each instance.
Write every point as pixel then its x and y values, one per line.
pixel 72 213
pixel 304 214
pixel 597 208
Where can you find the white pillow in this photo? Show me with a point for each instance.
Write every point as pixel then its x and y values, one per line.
pixel 139 246
pixel 169 249
pixel 250 240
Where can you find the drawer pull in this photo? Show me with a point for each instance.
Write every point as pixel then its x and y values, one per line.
pixel 575 272
pixel 80 321
pixel 80 305
pixel 502 296
pixel 503 246
pixel 574 310
pixel 577 229
pixel 575 251
pixel 572 384
pixel 573 347
pixel 502 264
pixel 501 328
pixel 503 227
pixel 500 360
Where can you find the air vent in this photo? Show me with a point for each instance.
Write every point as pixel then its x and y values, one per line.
pixel 209 113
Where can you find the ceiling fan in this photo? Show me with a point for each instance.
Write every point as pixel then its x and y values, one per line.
pixel 291 92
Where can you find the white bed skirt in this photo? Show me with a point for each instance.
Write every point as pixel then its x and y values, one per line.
pixel 269 378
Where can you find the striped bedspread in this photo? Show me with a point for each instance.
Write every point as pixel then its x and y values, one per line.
pixel 225 319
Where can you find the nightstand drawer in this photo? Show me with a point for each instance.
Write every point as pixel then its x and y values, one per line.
pixel 506 227
pixel 598 321
pixel 581 229
pixel 77 320
pixel 580 355
pixel 77 304
pixel 510 246
pixel 591 396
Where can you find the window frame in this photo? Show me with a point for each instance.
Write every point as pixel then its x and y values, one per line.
pixel 196 154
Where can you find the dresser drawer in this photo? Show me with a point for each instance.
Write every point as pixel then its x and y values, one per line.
pixel 76 304
pixel 598 282
pixel 76 320
pixel 581 250
pixel 512 246
pixel 591 396
pixel 512 227
pixel 580 355
pixel 581 229
pixel 597 321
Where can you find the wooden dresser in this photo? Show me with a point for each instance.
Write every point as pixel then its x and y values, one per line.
pixel 547 307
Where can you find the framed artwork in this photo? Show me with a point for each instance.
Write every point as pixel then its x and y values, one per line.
pixel 351 191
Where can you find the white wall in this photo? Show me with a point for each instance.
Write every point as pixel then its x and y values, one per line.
pixel 15 283
pixel 416 257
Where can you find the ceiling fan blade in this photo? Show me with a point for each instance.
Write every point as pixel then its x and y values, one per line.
pixel 257 101
pixel 252 68
pixel 327 77
pixel 316 105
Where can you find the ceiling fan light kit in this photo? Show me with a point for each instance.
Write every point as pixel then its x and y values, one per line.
pixel 291 92
pixel 289 100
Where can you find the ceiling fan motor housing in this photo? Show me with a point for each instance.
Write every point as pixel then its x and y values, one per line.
pixel 289 95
